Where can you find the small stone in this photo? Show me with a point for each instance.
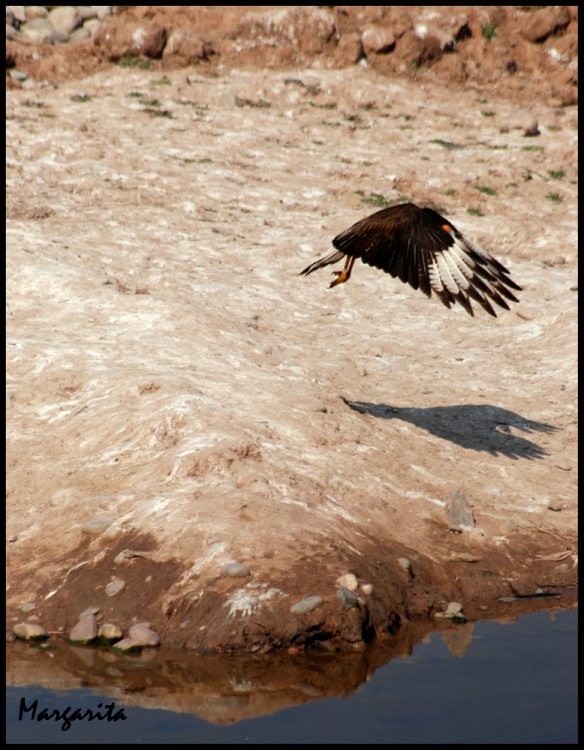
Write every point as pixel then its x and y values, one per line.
pixel 127 645
pixel 80 35
pixel 28 607
pixel 464 557
pixel 142 634
pixel 348 50
pixel 367 589
pixel 405 563
pixel 18 11
pixel 63 496
pixel 89 611
pixel 86 12
pixel 558 260
pixel 42 31
pixel 507 599
pixel 453 612
pixel 96 526
pixel 554 505
pixel 235 570
pixel 65 18
pixel 85 632
pixel 347 597
pixel 12 33
pixel 377 39
pixel 348 581
pixel 92 26
pixel 523 119
pixel 29 631
pixel 459 512
pixel 103 11
pixel 109 633
pixel 35 11
pixel 186 44
pixel 18 75
pixel 562 567
pixel 114 587
pixel 304 606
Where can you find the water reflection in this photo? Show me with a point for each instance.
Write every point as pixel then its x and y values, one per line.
pixel 227 689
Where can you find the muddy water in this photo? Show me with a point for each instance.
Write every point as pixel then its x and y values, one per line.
pixel 507 680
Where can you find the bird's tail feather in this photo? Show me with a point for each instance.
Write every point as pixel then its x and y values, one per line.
pixel 332 258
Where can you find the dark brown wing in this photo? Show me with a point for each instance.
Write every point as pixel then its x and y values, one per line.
pixel 423 249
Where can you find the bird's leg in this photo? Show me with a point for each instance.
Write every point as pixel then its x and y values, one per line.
pixel 345 274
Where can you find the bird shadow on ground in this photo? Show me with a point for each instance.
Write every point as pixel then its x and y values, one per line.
pixel 477 427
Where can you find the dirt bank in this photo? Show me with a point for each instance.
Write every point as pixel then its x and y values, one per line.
pixel 172 377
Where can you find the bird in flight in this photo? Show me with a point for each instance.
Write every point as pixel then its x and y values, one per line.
pixel 425 250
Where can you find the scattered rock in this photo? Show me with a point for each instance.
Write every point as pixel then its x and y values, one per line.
pixel 96 526
pixel 118 36
pixel 62 497
pixel 29 631
pixel 127 555
pixel 80 35
pixel 18 12
pixel 367 589
pixel 445 41
pixel 348 598
pixel 127 645
pixel 114 587
pixel 143 635
pixel 42 31
pixel 459 513
pixel 109 633
pixel 463 557
pixel 349 50
pixel 453 612
pixel 348 581
pixel 89 611
pixel 377 39
pixel 35 11
pixel 85 632
pixel 235 570
pixel 307 29
pixel 185 46
pixel 65 19
pixel 523 119
pixel 406 564
pixel 554 505
pixel 18 75
pixel 28 607
pixel 304 606
pixel 537 26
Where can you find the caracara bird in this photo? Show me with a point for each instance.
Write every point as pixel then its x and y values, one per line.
pixel 424 249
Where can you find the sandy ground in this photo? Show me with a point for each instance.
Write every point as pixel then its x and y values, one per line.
pixel 169 371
